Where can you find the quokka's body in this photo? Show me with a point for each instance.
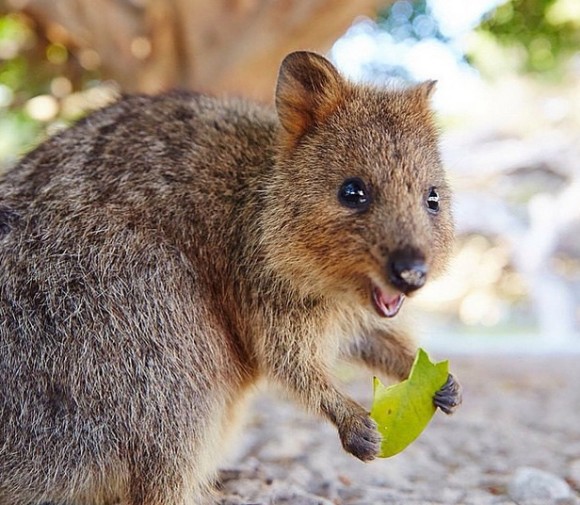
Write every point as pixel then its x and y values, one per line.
pixel 165 253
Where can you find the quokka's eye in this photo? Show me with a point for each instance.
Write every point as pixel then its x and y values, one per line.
pixel 354 194
pixel 433 201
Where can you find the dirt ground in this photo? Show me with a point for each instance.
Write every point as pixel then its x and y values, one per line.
pixel 516 439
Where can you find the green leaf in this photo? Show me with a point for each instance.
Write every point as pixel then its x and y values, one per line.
pixel 403 411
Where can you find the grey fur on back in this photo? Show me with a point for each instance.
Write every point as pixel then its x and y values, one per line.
pixel 99 303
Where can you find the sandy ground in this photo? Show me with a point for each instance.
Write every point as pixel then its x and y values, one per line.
pixel 520 413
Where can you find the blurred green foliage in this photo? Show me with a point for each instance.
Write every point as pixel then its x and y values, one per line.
pixel 18 83
pixel 32 66
pixel 544 33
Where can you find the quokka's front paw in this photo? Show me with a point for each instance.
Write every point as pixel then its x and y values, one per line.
pixel 450 396
pixel 359 436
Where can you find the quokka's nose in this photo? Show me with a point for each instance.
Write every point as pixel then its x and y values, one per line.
pixel 407 270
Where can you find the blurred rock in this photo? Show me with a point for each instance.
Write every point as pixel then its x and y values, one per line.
pixel 531 486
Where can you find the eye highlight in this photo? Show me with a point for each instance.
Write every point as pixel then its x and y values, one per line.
pixel 354 194
pixel 433 201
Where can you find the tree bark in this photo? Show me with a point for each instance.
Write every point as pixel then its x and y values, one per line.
pixel 219 46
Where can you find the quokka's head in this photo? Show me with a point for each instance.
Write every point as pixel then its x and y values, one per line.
pixel 358 204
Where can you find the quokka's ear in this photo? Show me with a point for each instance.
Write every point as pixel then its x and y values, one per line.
pixel 426 89
pixel 309 89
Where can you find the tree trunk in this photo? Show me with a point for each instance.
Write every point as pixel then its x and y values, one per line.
pixel 221 46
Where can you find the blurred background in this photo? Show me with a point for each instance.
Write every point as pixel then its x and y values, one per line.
pixel 508 101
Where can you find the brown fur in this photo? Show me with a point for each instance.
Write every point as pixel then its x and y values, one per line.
pixel 165 253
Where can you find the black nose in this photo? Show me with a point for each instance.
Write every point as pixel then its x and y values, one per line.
pixel 407 270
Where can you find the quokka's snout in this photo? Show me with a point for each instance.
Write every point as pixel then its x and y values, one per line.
pixel 407 269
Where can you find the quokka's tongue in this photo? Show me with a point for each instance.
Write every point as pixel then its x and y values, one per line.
pixel 387 305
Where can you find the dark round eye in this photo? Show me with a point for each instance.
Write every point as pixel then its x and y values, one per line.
pixel 433 201
pixel 353 194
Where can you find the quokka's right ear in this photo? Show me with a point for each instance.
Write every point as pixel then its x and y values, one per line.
pixel 309 89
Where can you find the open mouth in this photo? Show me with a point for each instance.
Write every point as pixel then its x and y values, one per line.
pixel 386 304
